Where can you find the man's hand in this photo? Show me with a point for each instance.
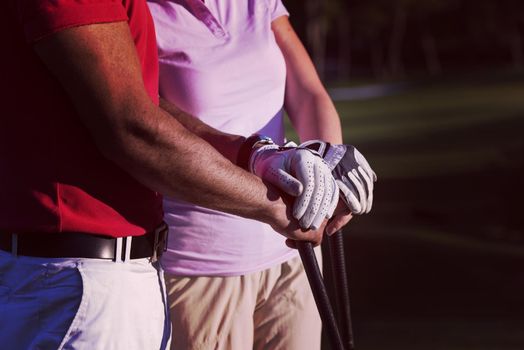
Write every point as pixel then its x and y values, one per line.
pixel 301 173
pixel 340 218
pixel 280 218
pixel 352 172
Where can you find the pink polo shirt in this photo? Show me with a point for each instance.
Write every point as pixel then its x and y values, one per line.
pixel 220 62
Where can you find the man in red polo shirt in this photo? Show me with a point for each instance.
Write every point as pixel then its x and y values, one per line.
pixel 84 152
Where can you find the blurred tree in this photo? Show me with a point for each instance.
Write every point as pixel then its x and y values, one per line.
pixel 343 18
pixel 383 23
pixel 316 33
pixel 428 15
pixel 320 18
pixel 425 14
pixel 370 21
pixel 497 24
pixel 391 38
pixel 508 14
pixel 400 12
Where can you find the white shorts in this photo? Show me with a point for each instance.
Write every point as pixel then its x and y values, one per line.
pixel 82 304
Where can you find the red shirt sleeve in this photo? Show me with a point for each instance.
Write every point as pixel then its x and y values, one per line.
pixel 44 17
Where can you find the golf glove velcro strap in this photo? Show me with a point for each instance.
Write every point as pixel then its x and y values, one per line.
pixel 302 173
pixel 352 172
pixel 249 144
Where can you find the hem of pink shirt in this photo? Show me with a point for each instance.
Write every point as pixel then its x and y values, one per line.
pixel 184 272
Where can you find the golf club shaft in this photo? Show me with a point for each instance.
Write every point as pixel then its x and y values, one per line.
pixel 318 288
pixel 338 264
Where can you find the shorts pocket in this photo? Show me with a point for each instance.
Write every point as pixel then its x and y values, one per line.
pixel 4 291
pixel 60 305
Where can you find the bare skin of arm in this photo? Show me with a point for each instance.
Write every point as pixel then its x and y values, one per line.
pixel 307 102
pixel 98 66
pixel 226 144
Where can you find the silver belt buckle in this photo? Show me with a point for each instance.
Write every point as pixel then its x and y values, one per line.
pixel 160 242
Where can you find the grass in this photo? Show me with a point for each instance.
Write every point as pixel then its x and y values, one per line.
pixel 438 128
pixel 437 265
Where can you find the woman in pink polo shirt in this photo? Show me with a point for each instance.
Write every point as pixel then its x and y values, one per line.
pixel 235 65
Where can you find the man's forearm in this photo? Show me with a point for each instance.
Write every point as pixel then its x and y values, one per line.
pixel 98 67
pixel 174 161
pixel 227 144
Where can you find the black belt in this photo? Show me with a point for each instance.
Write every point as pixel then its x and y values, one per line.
pixel 83 245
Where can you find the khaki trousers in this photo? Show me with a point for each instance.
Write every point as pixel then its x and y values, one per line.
pixel 271 309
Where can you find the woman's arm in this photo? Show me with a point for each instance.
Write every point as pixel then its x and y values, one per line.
pixel 307 102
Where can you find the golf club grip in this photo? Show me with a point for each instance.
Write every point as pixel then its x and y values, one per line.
pixel 338 264
pixel 307 254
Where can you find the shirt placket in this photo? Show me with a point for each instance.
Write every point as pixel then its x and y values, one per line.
pixel 202 12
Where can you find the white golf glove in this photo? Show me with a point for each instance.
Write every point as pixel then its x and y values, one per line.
pixel 352 172
pixel 302 173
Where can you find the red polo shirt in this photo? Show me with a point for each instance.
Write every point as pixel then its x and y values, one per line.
pixel 52 176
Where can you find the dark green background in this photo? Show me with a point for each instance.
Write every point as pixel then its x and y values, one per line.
pixel 439 263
